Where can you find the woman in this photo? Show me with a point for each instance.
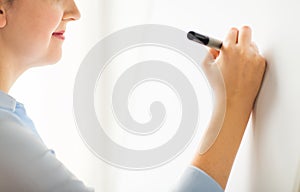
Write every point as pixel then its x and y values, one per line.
pixel 32 33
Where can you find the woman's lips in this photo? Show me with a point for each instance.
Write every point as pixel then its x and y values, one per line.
pixel 59 35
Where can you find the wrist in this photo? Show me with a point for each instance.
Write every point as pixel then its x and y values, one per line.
pixel 226 107
pixel 242 106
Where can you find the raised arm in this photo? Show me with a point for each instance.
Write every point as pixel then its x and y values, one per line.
pixel 242 68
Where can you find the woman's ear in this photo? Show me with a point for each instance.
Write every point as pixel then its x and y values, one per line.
pixel 2 17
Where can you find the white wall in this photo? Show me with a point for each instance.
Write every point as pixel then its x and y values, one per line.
pixel 269 158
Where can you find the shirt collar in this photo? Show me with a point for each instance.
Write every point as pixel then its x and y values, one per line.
pixel 7 102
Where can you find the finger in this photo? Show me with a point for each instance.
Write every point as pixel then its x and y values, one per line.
pixel 245 36
pixel 254 47
pixel 231 38
pixel 209 59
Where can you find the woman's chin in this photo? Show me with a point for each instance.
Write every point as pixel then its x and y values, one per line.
pixel 53 59
pixel 45 62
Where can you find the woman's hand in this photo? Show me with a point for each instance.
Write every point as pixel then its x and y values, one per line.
pixel 240 66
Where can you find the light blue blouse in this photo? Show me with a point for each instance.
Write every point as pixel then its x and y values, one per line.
pixel 26 164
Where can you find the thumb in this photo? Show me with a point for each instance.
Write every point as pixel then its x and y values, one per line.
pixel 209 60
pixel 215 53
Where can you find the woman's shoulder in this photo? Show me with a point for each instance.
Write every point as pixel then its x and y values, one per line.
pixel 8 118
pixel 14 134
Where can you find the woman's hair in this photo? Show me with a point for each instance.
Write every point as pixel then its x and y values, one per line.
pixel 6 1
pixel 9 2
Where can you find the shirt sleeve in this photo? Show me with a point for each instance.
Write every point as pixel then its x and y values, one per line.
pixel 26 164
pixel 196 180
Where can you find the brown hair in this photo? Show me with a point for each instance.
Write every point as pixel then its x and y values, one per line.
pixel 5 2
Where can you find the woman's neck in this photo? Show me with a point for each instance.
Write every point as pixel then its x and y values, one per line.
pixel 6 79
pixel 8 75
pixel 10 69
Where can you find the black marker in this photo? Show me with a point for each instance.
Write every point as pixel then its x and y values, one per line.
pixel 204 40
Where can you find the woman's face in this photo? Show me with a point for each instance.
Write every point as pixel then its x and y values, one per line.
pixel 34 30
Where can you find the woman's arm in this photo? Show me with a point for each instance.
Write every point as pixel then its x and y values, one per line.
pixel 242 69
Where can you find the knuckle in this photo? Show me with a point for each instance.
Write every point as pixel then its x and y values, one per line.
pixel 262 60
pixel 261 63
pixel 226 48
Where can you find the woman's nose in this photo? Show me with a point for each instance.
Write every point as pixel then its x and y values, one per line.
pixel 71 12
